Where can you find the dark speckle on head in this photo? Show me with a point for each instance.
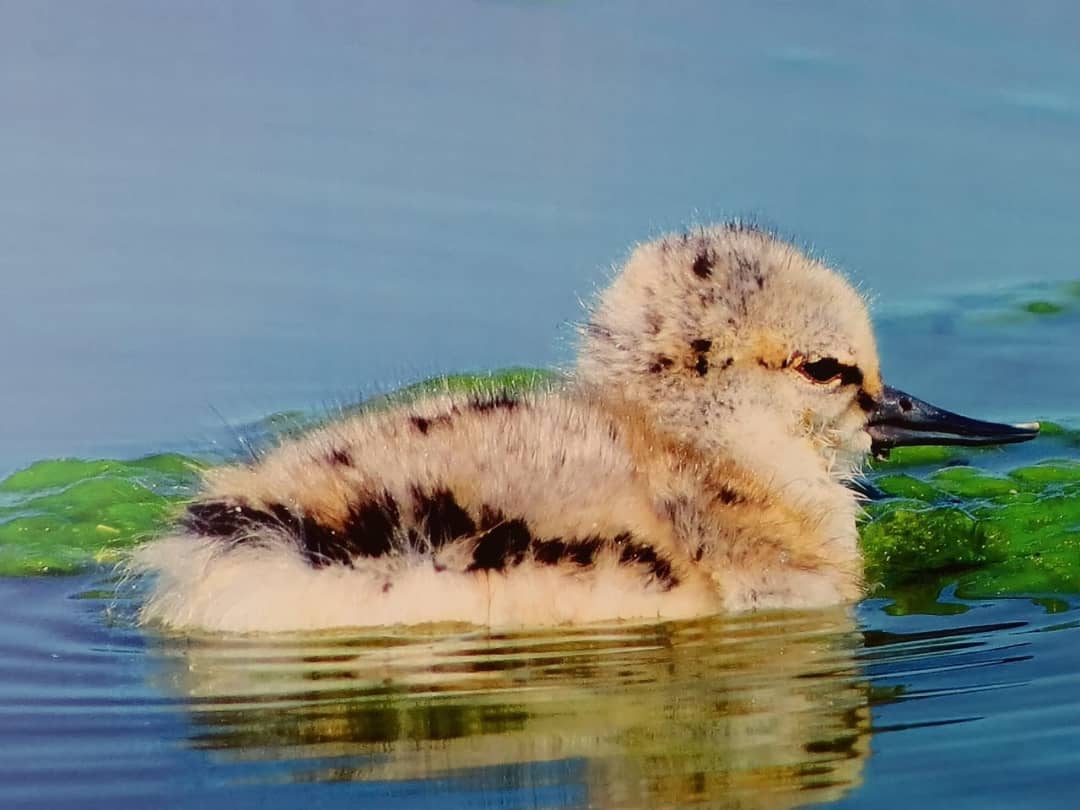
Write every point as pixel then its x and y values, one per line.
pixel 654 322
pixel 703 264
pixel 701 345
pixel 421 424
pixel 748 266
pixel 702 365
pixel 729 495
pixel 340 457
pixel 598 332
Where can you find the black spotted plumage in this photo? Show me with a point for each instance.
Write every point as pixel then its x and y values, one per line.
pixel 375 527
pixel 368 531
pixel 440 517
pixel 502 546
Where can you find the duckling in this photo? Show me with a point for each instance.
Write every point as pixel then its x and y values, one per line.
pixel 695 461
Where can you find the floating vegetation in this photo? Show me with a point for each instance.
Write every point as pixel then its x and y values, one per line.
pixel 1043 308
pixel 65 515
pixel 947 521
pixel 961 520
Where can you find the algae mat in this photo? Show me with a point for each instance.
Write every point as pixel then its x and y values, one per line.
pixel 974 523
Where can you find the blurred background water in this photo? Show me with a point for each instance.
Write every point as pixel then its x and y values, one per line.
pixel 214 211
pixel 213 207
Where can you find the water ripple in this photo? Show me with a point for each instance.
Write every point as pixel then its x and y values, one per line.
pixel 768 711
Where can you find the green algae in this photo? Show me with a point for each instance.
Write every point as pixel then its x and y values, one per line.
pixel 982 534
pixel 1043 308
pixel 968 482
pixel 920 456
pixel 157 469
pixel 513 379
pixel 65 515
pixel 1019 307
pixel 1051 471
pixel 902 485
pixel 947 525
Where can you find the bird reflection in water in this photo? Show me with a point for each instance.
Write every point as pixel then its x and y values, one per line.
pixel 764 711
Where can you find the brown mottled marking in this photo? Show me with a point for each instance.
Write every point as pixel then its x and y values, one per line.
pixel 654 321
pixel 748 266
pixel 340 457
pixel 424 424
pixel 501 400
pixel 661 364
pixel 703 265
pixel 594 330
pixel 730 496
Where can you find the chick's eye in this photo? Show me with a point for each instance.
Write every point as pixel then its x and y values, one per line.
pixel 829 369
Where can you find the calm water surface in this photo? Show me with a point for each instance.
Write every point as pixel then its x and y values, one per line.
pixel 977 709
pixel 212 215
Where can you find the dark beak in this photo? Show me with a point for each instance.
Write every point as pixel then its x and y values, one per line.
pixel 900 419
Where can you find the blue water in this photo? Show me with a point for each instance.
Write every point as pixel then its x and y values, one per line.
pixel 210 208
pixel 211 212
